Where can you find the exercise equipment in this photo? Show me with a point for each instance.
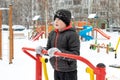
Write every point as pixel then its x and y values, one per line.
pixel 99 70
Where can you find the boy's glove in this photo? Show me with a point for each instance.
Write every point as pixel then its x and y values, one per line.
pixel 39 50
pixel 51 51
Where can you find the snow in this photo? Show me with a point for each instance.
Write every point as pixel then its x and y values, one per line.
pixel 23 67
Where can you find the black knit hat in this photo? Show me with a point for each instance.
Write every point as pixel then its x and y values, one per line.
pixel 64 15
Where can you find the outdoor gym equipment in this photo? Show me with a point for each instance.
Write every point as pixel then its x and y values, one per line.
pixel 98 46
pixel 11 48
pixel 39 62
pixel 99 70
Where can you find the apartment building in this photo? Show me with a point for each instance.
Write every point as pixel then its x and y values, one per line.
pixel 107 10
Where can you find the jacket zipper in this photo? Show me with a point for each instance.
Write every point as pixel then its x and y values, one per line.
pixel 56 61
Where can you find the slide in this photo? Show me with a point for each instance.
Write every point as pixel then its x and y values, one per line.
pixel 83 33
pixel 102 33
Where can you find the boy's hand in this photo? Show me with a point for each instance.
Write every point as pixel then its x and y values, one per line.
pixel 51 51
pixel 39 50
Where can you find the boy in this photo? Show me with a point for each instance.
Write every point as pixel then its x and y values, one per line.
pixel 63 39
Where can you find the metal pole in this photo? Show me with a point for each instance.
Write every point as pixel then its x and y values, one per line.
pixel 38 67
pixel 101 71
pixel 46 14
pixel 11 48
pixel 0 34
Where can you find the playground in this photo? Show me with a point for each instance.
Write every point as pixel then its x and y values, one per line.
pixel 24 67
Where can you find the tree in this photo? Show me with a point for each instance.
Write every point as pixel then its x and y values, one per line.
pixel 22 12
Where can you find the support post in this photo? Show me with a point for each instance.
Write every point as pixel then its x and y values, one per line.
pixel 38 68
pixel 11 48
pixel 107 49
pixel 100 75
pixel 98 48
pixel 46 14
pixel 0 34
pixel 90 71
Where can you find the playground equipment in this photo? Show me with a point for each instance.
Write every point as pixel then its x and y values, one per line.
pixel 36 31
pixel 38 35
pixel 115 50
pixel 116 47
pixel 39 62
pixel 83 23
pixel 107 47
pixel 87 29
pixel 99 70
pixel 98 46
pixel 11 48
pixel 101 32
pixel 83 33
pixel 90 71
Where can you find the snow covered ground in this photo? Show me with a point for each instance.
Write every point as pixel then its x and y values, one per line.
pixel 23 67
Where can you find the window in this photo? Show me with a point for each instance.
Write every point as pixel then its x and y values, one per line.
pixel 119 5
pixel 85 11
pixel 102 13
pixel 102 3
pixel 77 2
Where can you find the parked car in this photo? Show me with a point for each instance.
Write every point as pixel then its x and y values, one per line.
pixel 19 31
pixel 14 27
pixel 5 27
pixel 18 28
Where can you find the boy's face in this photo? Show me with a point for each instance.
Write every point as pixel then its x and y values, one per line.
pixel 59 24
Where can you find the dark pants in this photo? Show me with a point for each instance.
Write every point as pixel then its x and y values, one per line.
pixel 65 75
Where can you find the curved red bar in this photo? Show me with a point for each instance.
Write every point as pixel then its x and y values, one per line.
pixel 30 49
pixel 76 57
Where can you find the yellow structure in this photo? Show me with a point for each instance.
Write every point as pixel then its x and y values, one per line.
pixel 44 67
pixel 117 47
pixel 90 71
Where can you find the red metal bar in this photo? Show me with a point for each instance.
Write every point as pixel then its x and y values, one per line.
pixel 38 68
pixel 37 37
pixel 30 49
pixel 38 63
pixel 76 57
